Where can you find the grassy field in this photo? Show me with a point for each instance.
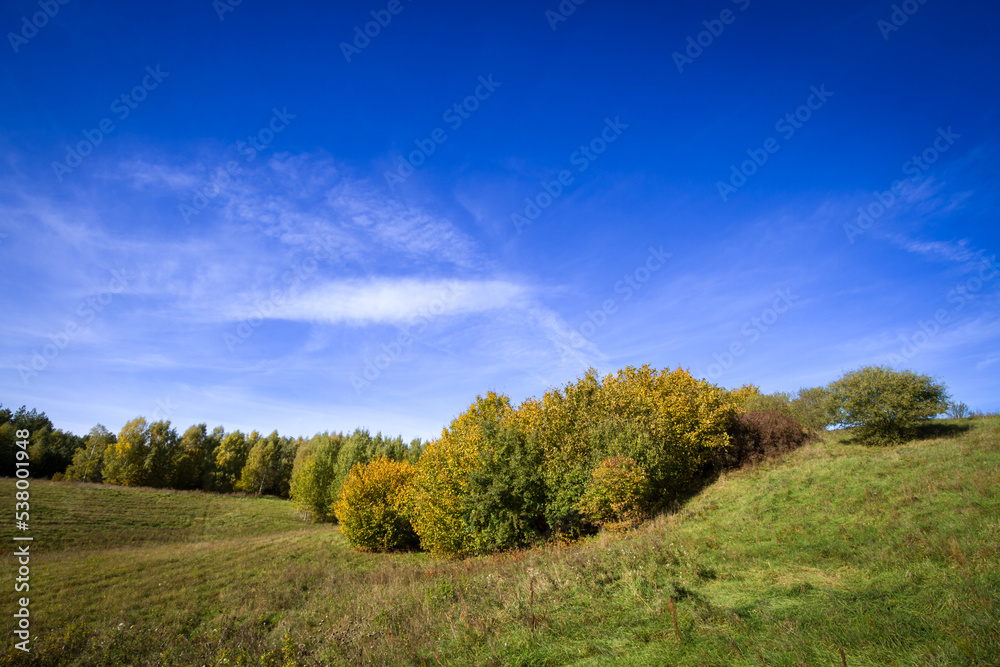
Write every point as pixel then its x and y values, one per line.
pixel 891 555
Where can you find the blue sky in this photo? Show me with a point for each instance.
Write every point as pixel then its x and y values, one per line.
pixel 256 215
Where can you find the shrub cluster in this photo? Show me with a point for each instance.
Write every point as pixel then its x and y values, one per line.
pixel 598 452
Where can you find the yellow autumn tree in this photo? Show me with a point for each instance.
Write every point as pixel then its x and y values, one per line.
pixel 442 480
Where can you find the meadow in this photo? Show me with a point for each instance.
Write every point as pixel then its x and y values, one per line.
pixel 836 553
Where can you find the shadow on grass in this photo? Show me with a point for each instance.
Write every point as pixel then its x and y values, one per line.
pixel 928 430
pixel 933 430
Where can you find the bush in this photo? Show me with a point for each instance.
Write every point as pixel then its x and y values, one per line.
pixel 362 447
pixel 572 418
pixel 959 411
pixel 885 404
pixel 755 436
pixel 372 503
pixel 505 504
pixel 618 493
pixel 678 423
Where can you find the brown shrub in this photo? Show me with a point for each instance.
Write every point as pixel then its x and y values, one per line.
pixel 755 436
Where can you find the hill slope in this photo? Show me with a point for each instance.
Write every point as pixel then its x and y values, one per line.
pixel 892 555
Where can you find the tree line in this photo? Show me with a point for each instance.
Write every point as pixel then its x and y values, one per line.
pixel 153 454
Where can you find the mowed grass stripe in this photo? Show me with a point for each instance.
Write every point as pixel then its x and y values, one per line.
pixel 153 580
pixel 92 516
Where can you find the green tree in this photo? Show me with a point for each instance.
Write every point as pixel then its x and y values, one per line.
pixel 230 458
pixel 268 469
pixel 10 423
pixel 142 455
pixel 163 444
pixel 414 450
pixel 884 404
pixel 194 459
pixel 313 475
pixel 88 461
pixel 123 459
pixel 51 451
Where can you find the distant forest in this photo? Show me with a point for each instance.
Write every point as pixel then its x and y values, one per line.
pixel 154 454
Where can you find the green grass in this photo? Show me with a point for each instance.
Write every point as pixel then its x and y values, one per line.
pixel 892 555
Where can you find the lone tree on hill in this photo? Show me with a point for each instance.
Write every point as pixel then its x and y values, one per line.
pixel 885 404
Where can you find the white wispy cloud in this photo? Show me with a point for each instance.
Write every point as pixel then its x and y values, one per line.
pixel 985 363
pixel 392 301
pixel 298 199
pixel 952 251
